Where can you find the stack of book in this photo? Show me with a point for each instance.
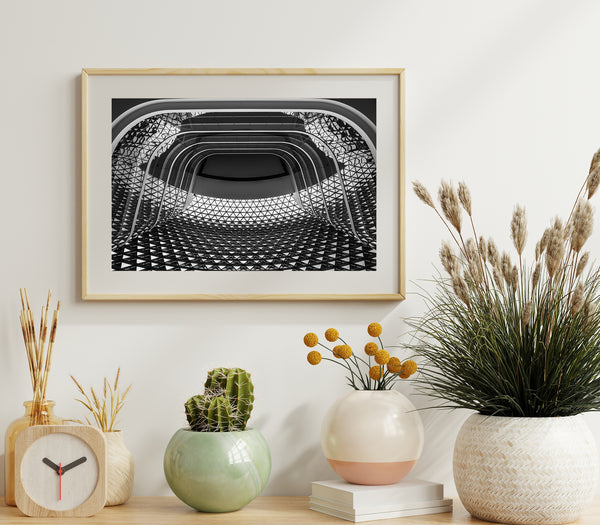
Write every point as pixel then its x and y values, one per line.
pixel 367 502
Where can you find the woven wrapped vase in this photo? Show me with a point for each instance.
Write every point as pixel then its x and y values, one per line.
pixel 120 469
pixel 525 470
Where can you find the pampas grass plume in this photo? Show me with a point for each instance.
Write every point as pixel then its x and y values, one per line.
pixel 583 223
pixel 423 194
pixel 518 229
pixel 464 196
pixel 450 205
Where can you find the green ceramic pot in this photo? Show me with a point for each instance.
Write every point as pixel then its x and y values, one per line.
pixel 217 471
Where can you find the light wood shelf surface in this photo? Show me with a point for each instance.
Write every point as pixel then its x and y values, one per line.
pixel 262 511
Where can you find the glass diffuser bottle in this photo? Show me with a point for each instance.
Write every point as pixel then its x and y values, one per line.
pixel 36 413
pixel 39 345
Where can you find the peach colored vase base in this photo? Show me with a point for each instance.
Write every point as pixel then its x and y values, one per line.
pixel 365 473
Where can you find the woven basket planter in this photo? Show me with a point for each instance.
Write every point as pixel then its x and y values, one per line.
pixel 525 470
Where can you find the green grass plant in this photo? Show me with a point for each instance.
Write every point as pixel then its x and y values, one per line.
pixel 510 338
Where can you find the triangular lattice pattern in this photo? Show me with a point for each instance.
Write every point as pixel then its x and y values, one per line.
pixel 159 226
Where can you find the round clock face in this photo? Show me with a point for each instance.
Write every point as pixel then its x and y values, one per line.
pixel 59 471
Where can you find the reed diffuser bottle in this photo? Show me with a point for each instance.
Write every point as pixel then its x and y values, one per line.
pixel 39 411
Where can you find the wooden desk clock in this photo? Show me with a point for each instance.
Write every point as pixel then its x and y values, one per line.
pixel 60 471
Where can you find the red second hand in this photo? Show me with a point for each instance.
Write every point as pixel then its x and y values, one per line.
pixel 60 481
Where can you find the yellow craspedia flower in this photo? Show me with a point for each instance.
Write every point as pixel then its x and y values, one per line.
pixel 394 365
pixel 314 357
pixel 342 351
pixel 382 357
pixel 311 339
pixel 375 372
pixel 371 348
pixel 374 329
pixel 410 366
pixel 331 334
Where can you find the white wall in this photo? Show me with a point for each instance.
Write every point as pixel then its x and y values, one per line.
pixel 500 94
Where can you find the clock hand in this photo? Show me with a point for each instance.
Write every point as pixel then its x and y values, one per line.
pixel 73 464
pixel 51 464
pixel 60 473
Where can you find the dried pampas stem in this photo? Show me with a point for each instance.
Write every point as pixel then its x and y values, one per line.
pixel 423 194
pixel 555 248
pixel 492 252
pixel 450 205
pixel 526 314
pixel 464 196
pixel 577 298
pixel 582 263
pixel 460 289
pixel 583 223
pixel 518 229
pixel 448 258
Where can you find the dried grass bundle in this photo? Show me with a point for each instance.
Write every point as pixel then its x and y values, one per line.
pixel 103 409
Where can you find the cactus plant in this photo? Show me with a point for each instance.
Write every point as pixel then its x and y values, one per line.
pixel 226 403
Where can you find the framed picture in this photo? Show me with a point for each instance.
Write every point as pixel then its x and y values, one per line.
pixel 243 184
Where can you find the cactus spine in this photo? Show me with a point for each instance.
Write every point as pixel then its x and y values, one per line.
pixel 226 403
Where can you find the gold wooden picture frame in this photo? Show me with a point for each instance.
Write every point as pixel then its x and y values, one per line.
pixel 243 184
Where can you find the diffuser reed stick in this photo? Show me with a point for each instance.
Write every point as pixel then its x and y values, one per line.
pixel 38 347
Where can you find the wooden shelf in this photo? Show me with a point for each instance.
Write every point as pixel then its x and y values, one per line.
pixel 262 511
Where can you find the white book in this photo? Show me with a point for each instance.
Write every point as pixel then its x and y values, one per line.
pixel 352 516
pixel 324 503
pixel 356 496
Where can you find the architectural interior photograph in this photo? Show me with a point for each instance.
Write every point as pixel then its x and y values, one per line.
pixel 243 185
pixel 322 262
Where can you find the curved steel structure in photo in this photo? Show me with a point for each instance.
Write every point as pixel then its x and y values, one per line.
pixel 243 185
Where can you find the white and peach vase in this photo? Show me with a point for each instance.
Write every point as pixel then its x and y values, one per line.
pixel 372 437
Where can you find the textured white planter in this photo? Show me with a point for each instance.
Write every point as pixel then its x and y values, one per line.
pixel 525 470
pixel 372 437
pixel 120 469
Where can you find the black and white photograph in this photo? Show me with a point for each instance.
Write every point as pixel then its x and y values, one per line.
pixel 244 185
